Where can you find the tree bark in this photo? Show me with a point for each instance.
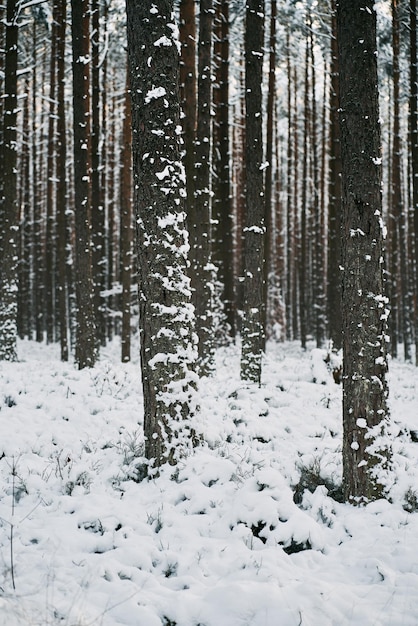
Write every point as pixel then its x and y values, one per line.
pixel 166 316
pixel 365 412
pixel 254 231
pixel 85 353
pixel 8 199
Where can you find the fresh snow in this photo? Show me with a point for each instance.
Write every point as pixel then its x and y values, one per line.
pixel 213 542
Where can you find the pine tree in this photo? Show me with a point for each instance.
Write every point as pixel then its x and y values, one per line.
pixel 8 192
pixel 166 316
pixel 254 230
pixel 365 412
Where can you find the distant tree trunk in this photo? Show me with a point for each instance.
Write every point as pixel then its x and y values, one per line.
pixel 50 241
pixel 270 261
pixel 200 226
pixel 166 316
pixel 365 412
pixel 8 199
pixel 334 199
pixel 221 188
pixel 25 225
pixel 97 208
pixel 399 268
pixel 413 124
pixel 303 266
pixel 253 314
pixel 289 203
pixel 85 353
pixel 318 243
pixel 126 227
pixel 61 189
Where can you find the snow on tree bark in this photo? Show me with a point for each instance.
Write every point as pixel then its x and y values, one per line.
pixel 8 199
pixel 168 343
pixel 85 351
pixel 254 231
pixel 365 414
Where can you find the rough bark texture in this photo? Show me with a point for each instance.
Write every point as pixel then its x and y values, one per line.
pixel 254 231
pixel 365 410
pixel 8 199
pixel 85 342
pixel 166 315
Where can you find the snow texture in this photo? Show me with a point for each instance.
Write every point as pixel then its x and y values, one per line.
pixel 243 532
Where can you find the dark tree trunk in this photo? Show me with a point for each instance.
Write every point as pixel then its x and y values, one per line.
pixel 166 317
pixel 8 199
pixel 97 208
pixel 413 124
pixel 126 227
pixel 221 204
pixel 85 339
pixel 200 224
pixel 61 190
pixel 334 199
pixel 365 411
pixel 253 313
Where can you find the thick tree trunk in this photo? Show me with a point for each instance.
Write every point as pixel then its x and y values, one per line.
pixel 365 412
pixel 166 315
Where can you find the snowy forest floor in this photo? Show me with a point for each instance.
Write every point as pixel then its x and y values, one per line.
pixel 219 541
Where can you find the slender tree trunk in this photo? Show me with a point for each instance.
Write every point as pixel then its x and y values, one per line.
pixel 200 227
pixel 85 341
pixel 270 262
pixel 365 412
pixel 61 189
pixel 253 315
pixel 126 227
pixel 334 199
pixel 221 191
pixel 8 199
pixel 97 208
pixel 50 243
pixel 303 274
pixel 413 124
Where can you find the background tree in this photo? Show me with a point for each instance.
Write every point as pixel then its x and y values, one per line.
pixel 8 191
pixel 365 411
pixel 166 315
pixel 86 341
pixel 254 231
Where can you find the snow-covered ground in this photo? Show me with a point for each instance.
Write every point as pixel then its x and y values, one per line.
pixel 219 541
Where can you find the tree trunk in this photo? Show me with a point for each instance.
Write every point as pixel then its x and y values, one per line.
pixel 126 227
pixel 85 354
pixel 334 199
pixel 253 314
pixel 8 199
pixel 166 316
pixel 413 125
pixel 221 204
pixel 200 224
pixel 365 412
